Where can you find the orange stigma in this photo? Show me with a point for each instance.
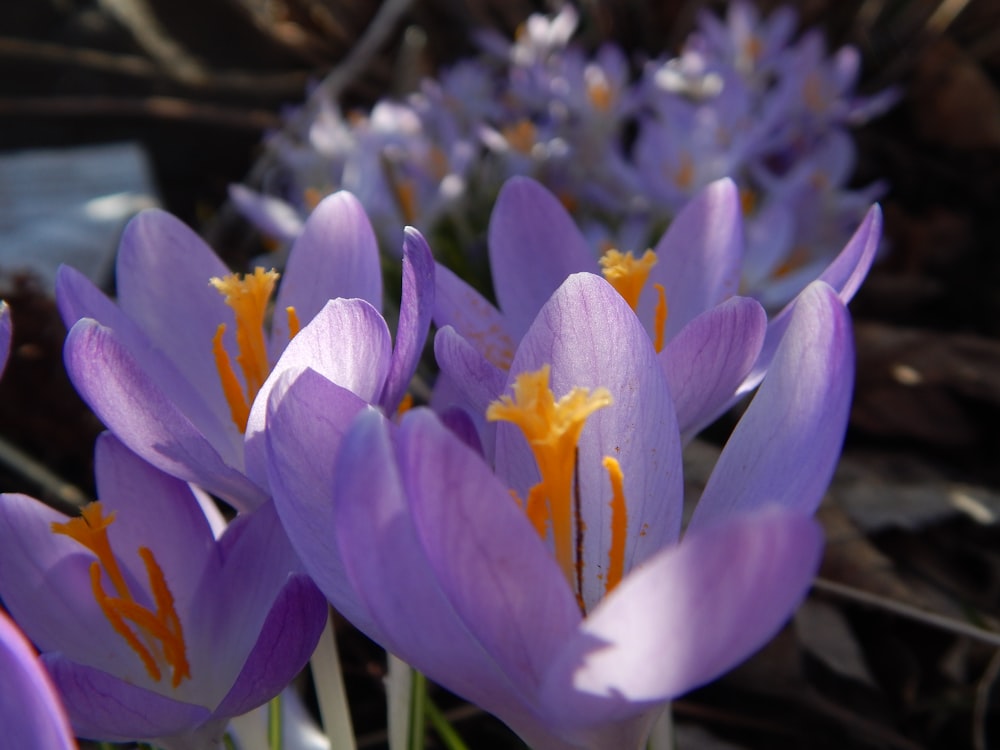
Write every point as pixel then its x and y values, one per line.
pixel 155 635
pixel 552 429
pixel 248 296
pixel 628 275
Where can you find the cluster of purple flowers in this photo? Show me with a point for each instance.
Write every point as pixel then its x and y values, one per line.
pixel 520 538
pixel 623 149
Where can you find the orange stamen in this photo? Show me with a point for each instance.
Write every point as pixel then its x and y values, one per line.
pixel 660 317
pixel 239 410
pixel 160 637
pixel 294 326
pixel 619 525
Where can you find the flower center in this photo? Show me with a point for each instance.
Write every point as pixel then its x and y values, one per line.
pixel 628 275
pixel 248 296
pixel 155 635
pixel 552 429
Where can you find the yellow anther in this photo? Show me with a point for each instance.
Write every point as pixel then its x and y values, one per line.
pixel 627 274
pixel 249 297
pixel 619 525
pixel 552 429
pixel 521 136
pixel 156 637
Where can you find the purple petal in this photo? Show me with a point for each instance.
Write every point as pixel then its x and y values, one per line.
pixel 31 713
pixel 785 447
pixel 269 214
pixel 388 568
pixel 236 605
pixel 335 256
pixel 706 362
pixel 112 381
pixel 348 343
pixel 845 274
pixel 5 334
pixel 489 562
pixel 415 311
pixel 592 339
pixel 688 615
pixel 163 273
pixel 699 257
pixel 302 442
pixel 45 585
pixel 477 379
pixel 286 641
pixel 157 511
pixel 103 707
pixel 458 305
pixel 533 245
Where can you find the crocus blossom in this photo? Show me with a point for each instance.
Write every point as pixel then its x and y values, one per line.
pixel 174 368
pixel 674 289
pixel 30 712
pixel 151 627
pixel 553 589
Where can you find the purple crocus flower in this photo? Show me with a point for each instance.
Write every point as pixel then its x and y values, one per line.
pixel 174 368
pixel 572 610
pixel 149 625
pixel 675 291
pixel 30 712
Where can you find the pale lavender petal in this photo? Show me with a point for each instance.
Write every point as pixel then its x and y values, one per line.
pixel 5 334
pixel 699 257
pixel 415 310
pixel 335 256
pixel 390 573
pixel 476 378
pixel 592 339
pixel 31 712
pixel 786 445
pixel 688 615
pixel 45 585
pixel 489 562
pixel 154 510
pixel 458 305
pixel 234 604
pixel 286 641
pixel 845 274
pixel 302 443
pixel 163 272
pixel 269 214
pixel 120 390
pixel 533 245
pixel 348 343
pixel 706 362
pixel 103 707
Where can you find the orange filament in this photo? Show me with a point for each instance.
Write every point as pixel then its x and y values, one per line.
pixel 521 136
pixel 248 296
pixel 659 317
pixel 156 637
pixel 628 276
pixel 619 525
pixel 552 429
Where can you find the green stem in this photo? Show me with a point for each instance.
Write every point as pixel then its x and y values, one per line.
pixel 418 711
pixel 444 728
pixel 274 723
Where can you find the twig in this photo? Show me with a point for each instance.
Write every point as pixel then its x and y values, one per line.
pixel 905 610
pixel 981 708
pixel 277 84
pixel 58 493
pixel 159 107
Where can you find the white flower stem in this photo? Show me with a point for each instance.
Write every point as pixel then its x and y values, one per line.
pixel 661 736
pixel 330 692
